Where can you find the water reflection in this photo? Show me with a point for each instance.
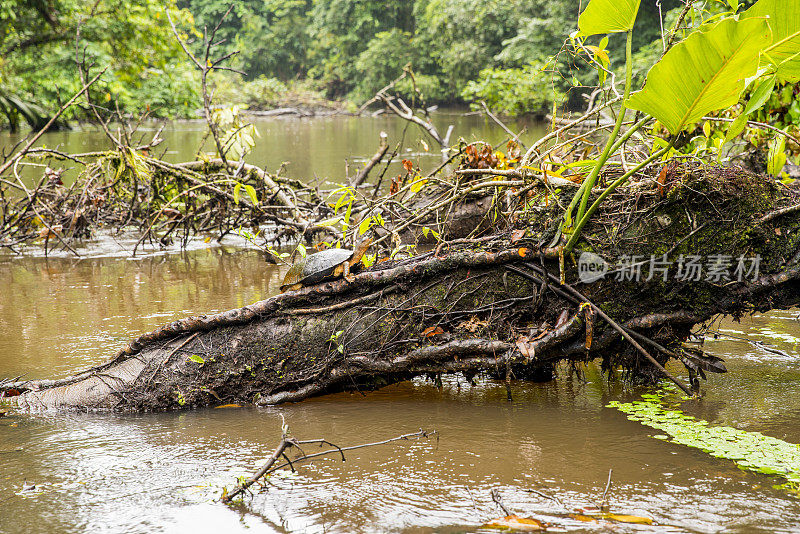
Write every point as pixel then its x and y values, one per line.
pixel 160 472
pixel 314 149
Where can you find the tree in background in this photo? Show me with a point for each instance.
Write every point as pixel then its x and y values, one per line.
pixel 130 37
pixel 505 52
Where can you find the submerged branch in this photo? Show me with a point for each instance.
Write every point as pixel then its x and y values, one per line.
pixel 288 442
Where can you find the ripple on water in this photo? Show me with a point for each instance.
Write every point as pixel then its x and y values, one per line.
pixel 161 472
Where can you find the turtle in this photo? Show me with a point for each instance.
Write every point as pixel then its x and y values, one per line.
pixel 323 265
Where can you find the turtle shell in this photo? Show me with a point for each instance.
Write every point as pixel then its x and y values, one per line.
pixel 316 267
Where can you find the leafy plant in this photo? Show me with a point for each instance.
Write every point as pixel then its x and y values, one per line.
pixel 706 72
pixel 237 137
pixel 336 340
pixel 749 450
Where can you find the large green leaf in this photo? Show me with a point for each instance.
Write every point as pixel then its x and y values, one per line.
pixel 703 73
pixel 608 16
pixel 784 51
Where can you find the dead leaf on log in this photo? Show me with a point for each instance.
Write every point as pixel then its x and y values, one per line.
pixel 473 325
pixel 664 179
pixel 432 331
pixel 516 235
pixel 409 167
pixel 50 232
pixel 516 523
pixel 662 176
pixel 525 348
pixel 562 318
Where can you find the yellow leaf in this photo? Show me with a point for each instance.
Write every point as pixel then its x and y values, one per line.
pixel 633 519
pixel 365 225
pixel 251 192
pixel 516 523
pixel 417 185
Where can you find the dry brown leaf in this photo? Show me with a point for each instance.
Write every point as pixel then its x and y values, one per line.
pixel 395 187
pixel 516 235
pixel 516 523
pixel 662 176
pixel 432 331
pixel 526 349
pixel 46 232
pixel 473 325
pixel 588 313
pixel 562 319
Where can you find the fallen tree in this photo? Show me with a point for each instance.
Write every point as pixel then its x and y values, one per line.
pixel 498 293
pixel 493 304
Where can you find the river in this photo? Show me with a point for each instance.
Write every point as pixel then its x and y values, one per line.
pixel 547 452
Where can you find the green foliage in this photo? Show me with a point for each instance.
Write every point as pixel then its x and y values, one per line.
pixel 147 69
pixel 514 91
pixel 703 73
pixel 462 37
pixel 267 93
pixel 342 29
pixel 293 51
pixel 749 450
pixel 782 109
pixel 383 60
pixel 608 16
pixel 783 54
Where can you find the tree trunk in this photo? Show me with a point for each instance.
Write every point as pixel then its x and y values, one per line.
pixel 484 306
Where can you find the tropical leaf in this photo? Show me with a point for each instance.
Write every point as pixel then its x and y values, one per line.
pixel 608 16
pixel 761 94
pixel 703 73
pixel 251 192
pixel 784 50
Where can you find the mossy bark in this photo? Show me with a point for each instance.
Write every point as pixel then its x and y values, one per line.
pixel 478 307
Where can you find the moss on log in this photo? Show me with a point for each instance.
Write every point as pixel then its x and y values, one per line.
pixel 475 307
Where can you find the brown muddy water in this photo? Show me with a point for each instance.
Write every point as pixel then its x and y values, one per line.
pixel 163 472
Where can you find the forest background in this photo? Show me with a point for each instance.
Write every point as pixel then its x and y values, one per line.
pixel 307 53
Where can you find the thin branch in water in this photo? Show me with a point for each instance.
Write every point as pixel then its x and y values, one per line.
pixel 288 442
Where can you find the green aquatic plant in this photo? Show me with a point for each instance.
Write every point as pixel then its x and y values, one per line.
pixel 752 451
